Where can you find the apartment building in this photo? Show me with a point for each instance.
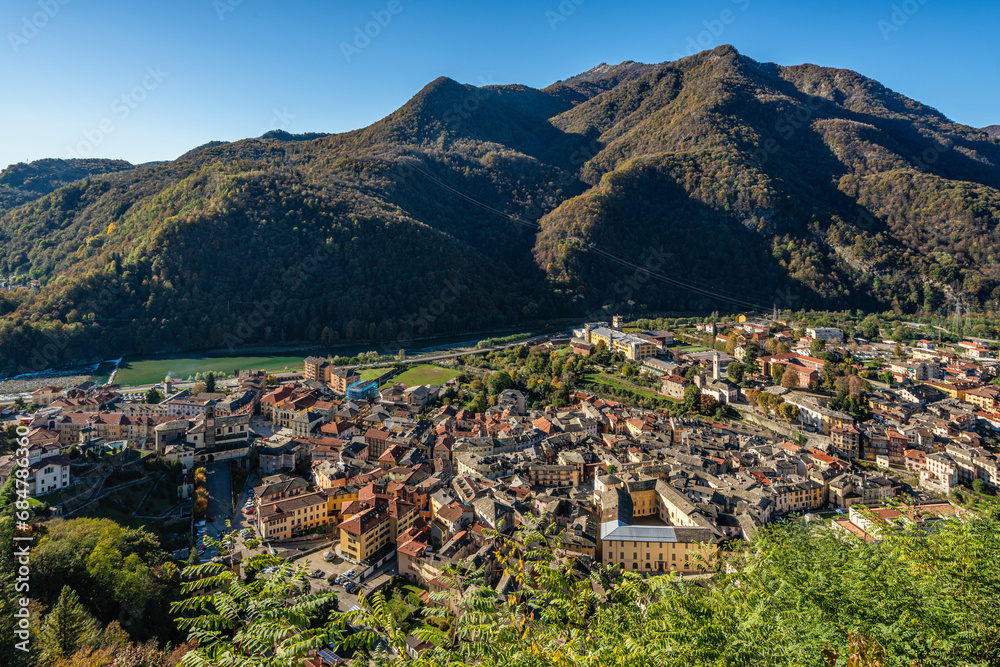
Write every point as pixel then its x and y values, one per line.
pixel 296 515
pixel 632 347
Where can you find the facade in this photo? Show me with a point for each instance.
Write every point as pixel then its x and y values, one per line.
pixel 827 334
pixel 299 514
pixel 340 379
pixel 632 347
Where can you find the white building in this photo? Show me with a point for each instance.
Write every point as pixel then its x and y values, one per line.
pixel 828 334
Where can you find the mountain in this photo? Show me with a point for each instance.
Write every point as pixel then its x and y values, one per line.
pixel 27 181
pixel 711 182
pixel 992 130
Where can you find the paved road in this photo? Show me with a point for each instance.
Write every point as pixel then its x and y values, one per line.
pixel 219 483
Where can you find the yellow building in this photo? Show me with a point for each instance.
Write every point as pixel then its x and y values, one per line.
pixel 295 515
pixel 632 347
pixel 658 548
pixel 339 497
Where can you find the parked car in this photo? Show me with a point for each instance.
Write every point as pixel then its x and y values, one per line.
pixel 200 524
pixel 316 574
pixel 350 574
pixel 328 556
pixel 211 519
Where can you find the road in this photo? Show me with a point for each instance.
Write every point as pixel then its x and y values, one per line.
pixel 219 484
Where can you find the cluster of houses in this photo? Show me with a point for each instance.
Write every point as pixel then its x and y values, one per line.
pixel 395 474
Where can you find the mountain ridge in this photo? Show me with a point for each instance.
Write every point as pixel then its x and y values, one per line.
pixel 714 181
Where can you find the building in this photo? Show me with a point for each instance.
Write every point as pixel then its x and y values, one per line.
pixel 655 548
pixel 295 515
pixel 631 347
pixel 45 395
pixel 317 369
pixel 674 386
pixel 540 474
pixel 339 379
pixel 375 527
pixel 826 334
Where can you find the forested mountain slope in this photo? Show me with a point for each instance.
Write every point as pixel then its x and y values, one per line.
pixel 738 184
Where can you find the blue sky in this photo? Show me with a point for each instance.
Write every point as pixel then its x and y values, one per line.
pixel 148 81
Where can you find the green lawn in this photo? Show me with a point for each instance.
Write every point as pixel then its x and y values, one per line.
pixel 163 497
pixel 622 383
pixel 57 497
pixel 426 374
pixel 150 371
pixel 373 373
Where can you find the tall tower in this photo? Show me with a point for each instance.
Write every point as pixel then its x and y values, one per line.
pixel 617 322
pixel 716 362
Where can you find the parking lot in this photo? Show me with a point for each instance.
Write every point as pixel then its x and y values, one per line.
pixel 314 562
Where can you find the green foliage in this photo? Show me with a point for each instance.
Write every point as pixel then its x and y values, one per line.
pixel 68 627
pixel 263 621
pixel 120 573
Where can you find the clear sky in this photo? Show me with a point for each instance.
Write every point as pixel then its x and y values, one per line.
pixel 148 80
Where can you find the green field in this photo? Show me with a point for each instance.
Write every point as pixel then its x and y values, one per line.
pixel 373 373
pixel 622 383
pixel 150 371
pixel 425 374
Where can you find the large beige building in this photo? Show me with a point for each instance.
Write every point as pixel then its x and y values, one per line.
pixel 632 347
pixel 295 515
pixel 685 542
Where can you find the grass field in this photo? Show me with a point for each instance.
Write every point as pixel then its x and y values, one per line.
pixel 372 373
pixel 425 374
pixel 150 371
pixel 622 383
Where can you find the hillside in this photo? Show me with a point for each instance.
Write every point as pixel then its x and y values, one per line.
pixel 711 182
pixel 24 182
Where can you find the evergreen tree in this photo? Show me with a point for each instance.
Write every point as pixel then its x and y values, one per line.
pixel 68 627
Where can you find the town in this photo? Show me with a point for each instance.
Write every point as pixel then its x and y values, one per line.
pixel 646 448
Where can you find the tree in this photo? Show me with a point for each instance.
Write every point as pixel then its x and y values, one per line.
pixel 790 379
pixel 777 372
pixel 153 396
pixel 210 382
pixel 735 372
pixel 816 346
pixel 499 381
pixel 788 412
pixel 68 627
pixel 979 486
pixel 751 396
pixel 269 621
pixel 478 404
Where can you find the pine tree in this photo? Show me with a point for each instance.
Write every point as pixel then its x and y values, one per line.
pixel 68 627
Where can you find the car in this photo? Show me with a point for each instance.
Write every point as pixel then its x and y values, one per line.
pixel 350 574
pixel 211 519
pixel 250 511
pixel 200 524
pixel 328 556
pixel 317 574
pixel 211 472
